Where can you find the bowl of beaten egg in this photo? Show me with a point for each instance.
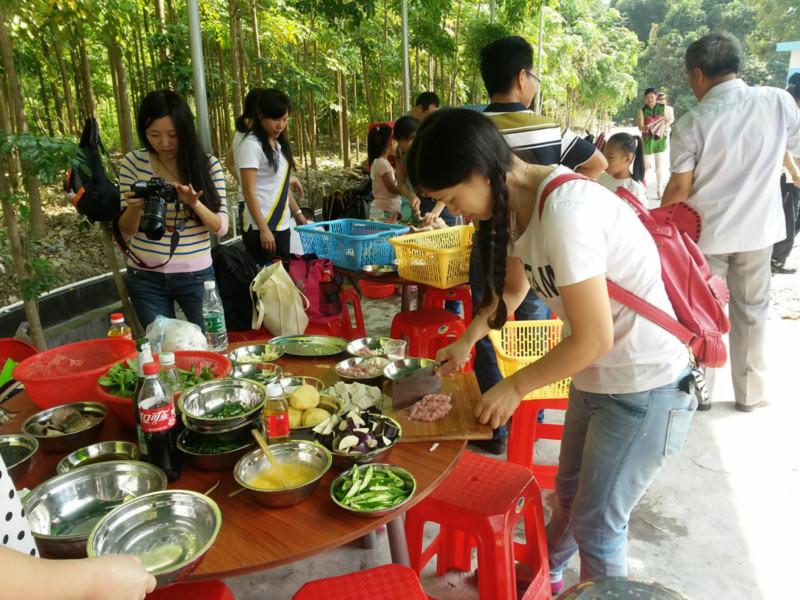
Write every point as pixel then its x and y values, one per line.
pixel 301 466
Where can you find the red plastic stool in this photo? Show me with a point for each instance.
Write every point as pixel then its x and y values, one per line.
pixel 389 582
pixel 427 330
pixel 479 504
pixel 525 430
pixel 435 298
pixel 200 590
pixel 341 325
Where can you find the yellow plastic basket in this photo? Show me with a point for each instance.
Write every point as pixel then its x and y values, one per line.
pixel 519 343
pixel 437 258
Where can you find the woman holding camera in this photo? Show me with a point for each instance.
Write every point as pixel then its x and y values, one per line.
pixel 173 266
pixel 264 158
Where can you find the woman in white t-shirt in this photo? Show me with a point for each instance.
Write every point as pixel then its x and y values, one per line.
pixel 630 403
pixel 264 159
pixel 625 157
pixel 386 195
pixel 24 575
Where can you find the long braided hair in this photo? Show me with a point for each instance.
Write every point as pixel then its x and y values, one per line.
pixel 452 145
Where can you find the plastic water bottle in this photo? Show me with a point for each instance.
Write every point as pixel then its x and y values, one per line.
pixel 214 318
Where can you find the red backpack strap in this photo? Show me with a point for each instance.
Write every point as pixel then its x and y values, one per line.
pixel 650 312
pixel 553 184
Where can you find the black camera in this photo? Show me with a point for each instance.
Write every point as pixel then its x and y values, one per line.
pixel 156 194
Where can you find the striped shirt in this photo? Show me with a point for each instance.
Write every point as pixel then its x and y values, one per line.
pixel 537 139
pixel 193 252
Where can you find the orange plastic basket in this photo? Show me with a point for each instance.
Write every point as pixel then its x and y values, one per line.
pixel 519 343
pixel 437 258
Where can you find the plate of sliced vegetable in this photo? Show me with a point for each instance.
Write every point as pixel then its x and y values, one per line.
pixel 373 490
pixel 358 437
pixel 310 345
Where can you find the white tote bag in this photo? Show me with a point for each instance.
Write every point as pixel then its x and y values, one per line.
pixel 277 303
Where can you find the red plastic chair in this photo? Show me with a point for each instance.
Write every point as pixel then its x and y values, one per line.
pixel 388 582
pixel 200 590
pixel 428 330
pixel 525 430
pixel 435 298
pixel 341 325
pixel 479 504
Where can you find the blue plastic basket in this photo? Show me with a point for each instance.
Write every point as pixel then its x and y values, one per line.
pixel 350 243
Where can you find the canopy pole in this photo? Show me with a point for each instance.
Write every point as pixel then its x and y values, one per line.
pixel 198 74
pixel 406 65
pixel 539 58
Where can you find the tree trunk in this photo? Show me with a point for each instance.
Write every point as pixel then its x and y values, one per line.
pixel 311 129
pixel 244 69
pixel 10 219
pixel 452 94
pixel 78 83
pixel 257 44
pixel 62 124
pixel 72 125
pixel 31 184
pixel 90 106
pixel 162 29
pixel 382 72
pixel 115 89
pixel 416 69
pixel 226 128
pixel 234 62
pixel 431 71
pixel 125 127
pixel 48 120
pixel 150 51
pixel 344 132
pixel 355 107
pixel 367 96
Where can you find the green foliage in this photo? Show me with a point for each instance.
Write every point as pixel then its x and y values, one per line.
pixel 43 277
pixel 48 157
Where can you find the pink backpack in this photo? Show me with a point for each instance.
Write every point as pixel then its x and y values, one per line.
pixel 307 274
pixel 697 296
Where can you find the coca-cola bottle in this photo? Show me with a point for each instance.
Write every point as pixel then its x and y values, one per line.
pixel 156 425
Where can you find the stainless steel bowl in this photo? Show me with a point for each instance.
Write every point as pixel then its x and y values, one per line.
pixel 67 442
pixel 399 471
pixel 18 448
pixel 214 461
pixel 380 363
pixel 285 453
pixel 261 372
pixel 401 368
pixel 379 270
pixel 198 402
pixel 256 354
pixel 170 532
pixel 373 345
pixel 62 510
pixel 343 460
pixel 97 453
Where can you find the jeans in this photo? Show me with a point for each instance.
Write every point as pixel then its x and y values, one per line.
pixel 612 449
pixel 153 293
pixel 531 309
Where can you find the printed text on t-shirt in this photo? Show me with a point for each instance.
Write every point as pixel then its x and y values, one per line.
pixel 542 280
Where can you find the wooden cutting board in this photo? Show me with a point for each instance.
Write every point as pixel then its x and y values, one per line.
pixel 459 424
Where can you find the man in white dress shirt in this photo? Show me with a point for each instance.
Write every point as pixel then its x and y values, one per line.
pixel 726 157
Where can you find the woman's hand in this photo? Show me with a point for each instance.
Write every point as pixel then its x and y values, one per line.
pixel 296 187
pixel 452 358
pixel 187 195
pixel 498 404
pixel 132 201
pixel 267 240
pixel 119 577
pixel 300 218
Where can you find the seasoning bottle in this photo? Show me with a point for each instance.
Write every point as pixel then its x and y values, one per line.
pixel 156 425
pixel 276 415
pixel 119 328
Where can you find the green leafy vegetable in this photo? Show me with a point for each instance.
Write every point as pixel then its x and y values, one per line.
pixel 121 379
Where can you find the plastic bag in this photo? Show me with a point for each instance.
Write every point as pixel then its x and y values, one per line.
pixel 169 335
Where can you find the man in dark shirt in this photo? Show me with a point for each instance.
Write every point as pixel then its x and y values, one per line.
pixel 507 71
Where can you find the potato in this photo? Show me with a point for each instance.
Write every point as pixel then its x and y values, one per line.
pixel 314 416
pixel 295 418
pixel 304 397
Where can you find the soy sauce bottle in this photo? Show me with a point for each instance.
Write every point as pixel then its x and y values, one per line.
pixel 156 425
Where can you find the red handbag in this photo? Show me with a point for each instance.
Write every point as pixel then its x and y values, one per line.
pixel 697 296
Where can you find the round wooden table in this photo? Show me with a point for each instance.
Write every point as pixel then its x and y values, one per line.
pixel 254 537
